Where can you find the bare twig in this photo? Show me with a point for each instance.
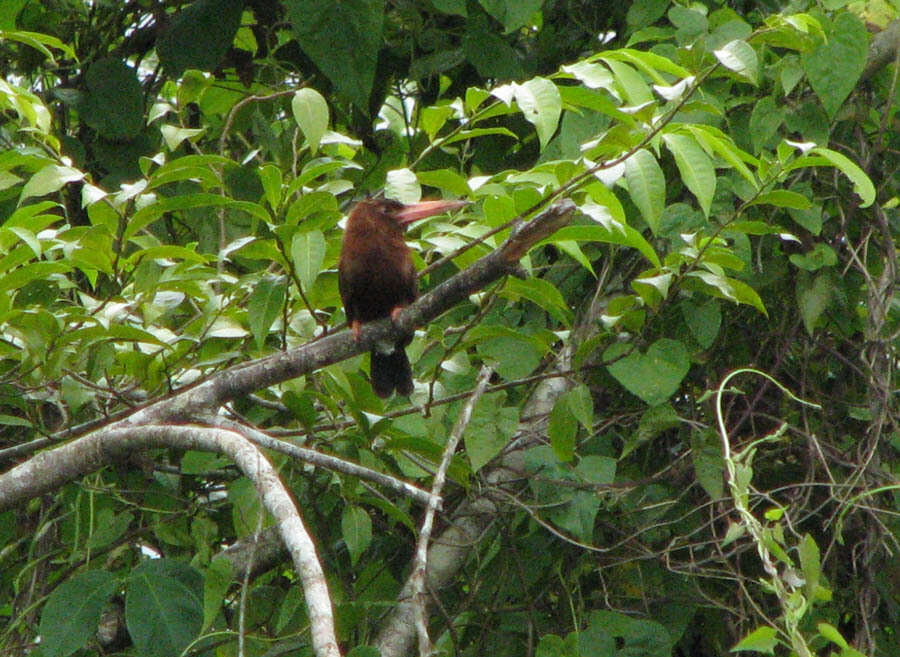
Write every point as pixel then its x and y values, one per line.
pixel 420 562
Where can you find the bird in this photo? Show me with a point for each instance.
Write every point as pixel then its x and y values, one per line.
pixel 377 279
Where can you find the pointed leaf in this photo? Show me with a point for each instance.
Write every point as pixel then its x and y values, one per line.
pixel 541 105
pixel 266 303
pixel 356 528
pixel 343 40
pixel 73 611
pixel 740 57
pixel 653 376
pixel 308 254
pixel 647 186
pixel 695 166
pixel 311 113
pixel 762 639
pixel 50 179
pixel 862 184
pixel 833 67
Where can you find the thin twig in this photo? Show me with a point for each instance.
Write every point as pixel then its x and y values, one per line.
pixel 420 564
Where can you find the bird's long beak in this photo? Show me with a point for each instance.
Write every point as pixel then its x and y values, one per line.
pixel 422 209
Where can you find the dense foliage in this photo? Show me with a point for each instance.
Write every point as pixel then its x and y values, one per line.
pixel 688 439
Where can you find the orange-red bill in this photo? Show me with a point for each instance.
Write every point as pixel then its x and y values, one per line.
pixel 422 209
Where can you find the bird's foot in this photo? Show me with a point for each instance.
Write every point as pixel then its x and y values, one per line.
pixel 355 328
pixel 395 313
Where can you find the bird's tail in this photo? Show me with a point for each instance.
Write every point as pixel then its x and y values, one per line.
pixel 391 372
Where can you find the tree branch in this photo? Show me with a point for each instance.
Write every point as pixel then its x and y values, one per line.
pixel 50 469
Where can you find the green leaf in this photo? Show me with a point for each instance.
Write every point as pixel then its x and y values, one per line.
pixel 308 255
pixel 147 215
pixel 723 287
pixel 596 469
pixel 403 185
pixel 543 294
pixel 740 57
pixel 446 180
pixel 356 528
pixel 654 421
pixel 17 278
pixel 647 186
pixel 113 101
pixel 813 297
pixel 36 40
pixel 833 67
pixel 343 40
pixel 245 507
pixel 627 236
pixel 455 7
pixel 782 198
pixel 653 376
pixel 581 405
pixel 265 305
pixel 541 105
pixel 820 256
pixel 831 633
pixel 491 427
pixel 651 63
pixel 311 114
pixel 633 87
pixel 173 135
pixel 513 356
pixel 199 35
pixel 708 463
pixel 512 13
pixel 703 320
pixel 765 119
pixel 637 637
pixel 721 144
pixel 562 430
pixel 862 184
pixel 695 166
pixel 463 135
pixel 13 421
pixel 163 608
pixel 50 179
pixel 270 177
pixel 216 581
pixel 810 563
pixel 70 617
pixel 488 52
pixel 109 527
pixel 762 639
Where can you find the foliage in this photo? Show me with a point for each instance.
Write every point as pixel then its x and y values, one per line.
pixel 172 186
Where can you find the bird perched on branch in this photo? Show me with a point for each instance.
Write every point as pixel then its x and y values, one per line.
pixel 377 278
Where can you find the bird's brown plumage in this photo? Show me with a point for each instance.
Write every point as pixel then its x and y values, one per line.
pixel 377 278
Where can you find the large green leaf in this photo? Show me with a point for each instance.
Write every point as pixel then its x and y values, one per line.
pixel 311 114
pixel 342 39
pixel 491 426
pixel 199 35
pixel 740 57
pixel 50 179
pixel 835 64
pixel 266 303
pixel 653 376
pixel 163 607
pixel 541 105
pixel 356 528
pixel 307 255
pixel 72 612
pixel 647 186
pixel 113 102
pixel 695 167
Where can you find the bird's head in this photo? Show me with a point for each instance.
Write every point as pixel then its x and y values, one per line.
pixel 401 214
